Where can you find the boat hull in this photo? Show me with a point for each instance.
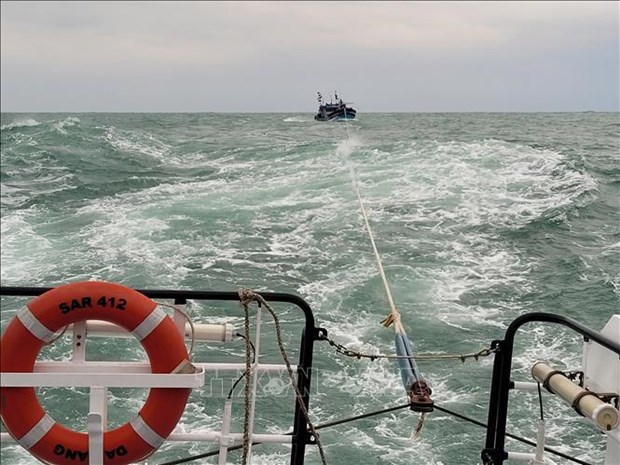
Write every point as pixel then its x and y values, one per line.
pixel 337 115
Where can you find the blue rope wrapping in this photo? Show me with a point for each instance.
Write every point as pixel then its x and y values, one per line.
pixel 409 372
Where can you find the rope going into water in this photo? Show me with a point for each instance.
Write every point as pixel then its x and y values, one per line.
pixel 247 296
pixel 394 317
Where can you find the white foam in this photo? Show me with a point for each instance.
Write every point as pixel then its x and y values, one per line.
pixel 446 189
pixel 137 142
pixel 20 123
pixel 16 455
pixel 68 122
pixel 485 183
pixel 435 207
pixel 26 255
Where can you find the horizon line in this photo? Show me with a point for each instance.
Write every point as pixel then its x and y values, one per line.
pixel 300 112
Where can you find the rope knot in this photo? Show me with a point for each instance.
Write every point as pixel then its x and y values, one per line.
pixel 247 296
pixel 391 319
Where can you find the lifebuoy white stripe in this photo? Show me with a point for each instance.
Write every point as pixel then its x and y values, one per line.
pixel 149 323
pixel 146 432
pixel 38 329
pixel 37 432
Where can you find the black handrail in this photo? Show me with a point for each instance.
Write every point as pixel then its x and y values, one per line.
pixel 310 333
pixel 494 453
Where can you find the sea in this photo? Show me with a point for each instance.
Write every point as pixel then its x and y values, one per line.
pixel 478 218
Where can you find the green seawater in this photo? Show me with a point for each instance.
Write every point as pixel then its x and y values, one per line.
pixel 478 217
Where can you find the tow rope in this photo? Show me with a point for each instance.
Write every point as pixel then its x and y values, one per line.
pixel 416 387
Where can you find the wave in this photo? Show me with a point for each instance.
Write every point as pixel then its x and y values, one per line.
pixel 59 126
pixel 68 122
pixel 20 123
pixel 460 184
pixel 454 203
pixel 220 205
pixel 136 142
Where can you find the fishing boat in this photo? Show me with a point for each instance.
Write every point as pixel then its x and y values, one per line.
pixel 92 309
pixel 335 110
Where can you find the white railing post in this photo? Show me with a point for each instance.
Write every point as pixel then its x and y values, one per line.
pixel 254 371
pixel 97 421
pixel 95 438
pixel 225 439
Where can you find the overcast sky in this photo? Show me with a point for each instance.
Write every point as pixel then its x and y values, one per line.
pixel 274 56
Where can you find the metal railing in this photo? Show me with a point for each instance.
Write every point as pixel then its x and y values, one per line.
pixel 102 375
pixel 494 452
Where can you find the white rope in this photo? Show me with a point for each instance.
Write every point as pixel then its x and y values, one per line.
pixel 393 309
pixel 394 316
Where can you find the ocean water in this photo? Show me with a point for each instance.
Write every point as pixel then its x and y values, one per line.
pixel 479 218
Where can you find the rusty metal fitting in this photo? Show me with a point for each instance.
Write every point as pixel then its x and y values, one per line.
pixel 420 397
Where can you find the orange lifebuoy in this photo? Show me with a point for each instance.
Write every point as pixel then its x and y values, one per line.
pixel 36 323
